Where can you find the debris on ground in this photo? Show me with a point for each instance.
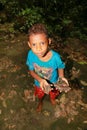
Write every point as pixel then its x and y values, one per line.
pixel 69 104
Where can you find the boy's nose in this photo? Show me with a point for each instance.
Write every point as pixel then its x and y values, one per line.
pixel 39 47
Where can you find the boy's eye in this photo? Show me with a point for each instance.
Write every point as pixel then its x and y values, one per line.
pixel 42 43
pixel 33 44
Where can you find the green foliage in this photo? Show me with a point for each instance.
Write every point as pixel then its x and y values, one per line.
pixel 66 22
pixel 79 33
pixel 3 2
pixel 11 9
pixel 28 17
pixel 65 18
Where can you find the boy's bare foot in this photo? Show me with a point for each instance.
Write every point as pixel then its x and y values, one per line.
pixel 53 101
pixel 39 107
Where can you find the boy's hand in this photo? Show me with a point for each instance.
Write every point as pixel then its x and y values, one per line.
pixel 43 84
pixel 66 81
pixel 62 85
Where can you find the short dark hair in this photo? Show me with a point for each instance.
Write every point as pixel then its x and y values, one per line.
pixel 38 28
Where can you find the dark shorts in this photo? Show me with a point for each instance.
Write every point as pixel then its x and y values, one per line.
pixel 40 93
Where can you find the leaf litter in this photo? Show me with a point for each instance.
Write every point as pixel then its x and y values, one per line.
pixel 68 105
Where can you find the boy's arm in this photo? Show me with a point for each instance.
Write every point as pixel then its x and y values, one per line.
pixel 35 76
pixel 61 75
pixel 42 81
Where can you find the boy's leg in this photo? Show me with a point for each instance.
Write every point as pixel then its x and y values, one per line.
pixel 40 105
pixel 39 92
pixel 53 94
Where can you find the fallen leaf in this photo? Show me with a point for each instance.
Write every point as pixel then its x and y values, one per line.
pixel 0 111
pixel 84 83
pixel 4 104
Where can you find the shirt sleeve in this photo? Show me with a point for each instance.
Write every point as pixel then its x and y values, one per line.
pixel 59 62
pixel 29 61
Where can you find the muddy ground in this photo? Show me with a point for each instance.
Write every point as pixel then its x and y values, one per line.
pixel 17 103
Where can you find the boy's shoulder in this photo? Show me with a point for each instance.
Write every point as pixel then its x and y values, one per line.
pixel 55 53
pixel 30 52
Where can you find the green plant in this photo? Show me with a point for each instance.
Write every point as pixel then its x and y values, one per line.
pixel 27 17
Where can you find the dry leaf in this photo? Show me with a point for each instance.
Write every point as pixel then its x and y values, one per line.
pixel 4 104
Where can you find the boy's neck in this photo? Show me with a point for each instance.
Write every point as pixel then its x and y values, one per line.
pixel 47 56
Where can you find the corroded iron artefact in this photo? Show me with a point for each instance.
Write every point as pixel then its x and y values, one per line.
pixel 61 85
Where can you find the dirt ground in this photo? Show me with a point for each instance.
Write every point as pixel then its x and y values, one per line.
pixel 17 103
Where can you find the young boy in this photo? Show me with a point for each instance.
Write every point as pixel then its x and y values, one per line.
pixel 44 64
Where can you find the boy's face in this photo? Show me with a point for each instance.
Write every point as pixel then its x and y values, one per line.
pixel 39 44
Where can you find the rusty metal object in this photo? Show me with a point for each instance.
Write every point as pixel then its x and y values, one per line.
pixel 60 85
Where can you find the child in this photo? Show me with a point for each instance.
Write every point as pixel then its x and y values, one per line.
pixel 44 64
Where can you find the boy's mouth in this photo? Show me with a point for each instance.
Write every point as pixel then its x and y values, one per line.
pixel 40 54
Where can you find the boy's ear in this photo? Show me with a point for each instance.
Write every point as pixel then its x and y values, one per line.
pixel 50 41
pixel 29 44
